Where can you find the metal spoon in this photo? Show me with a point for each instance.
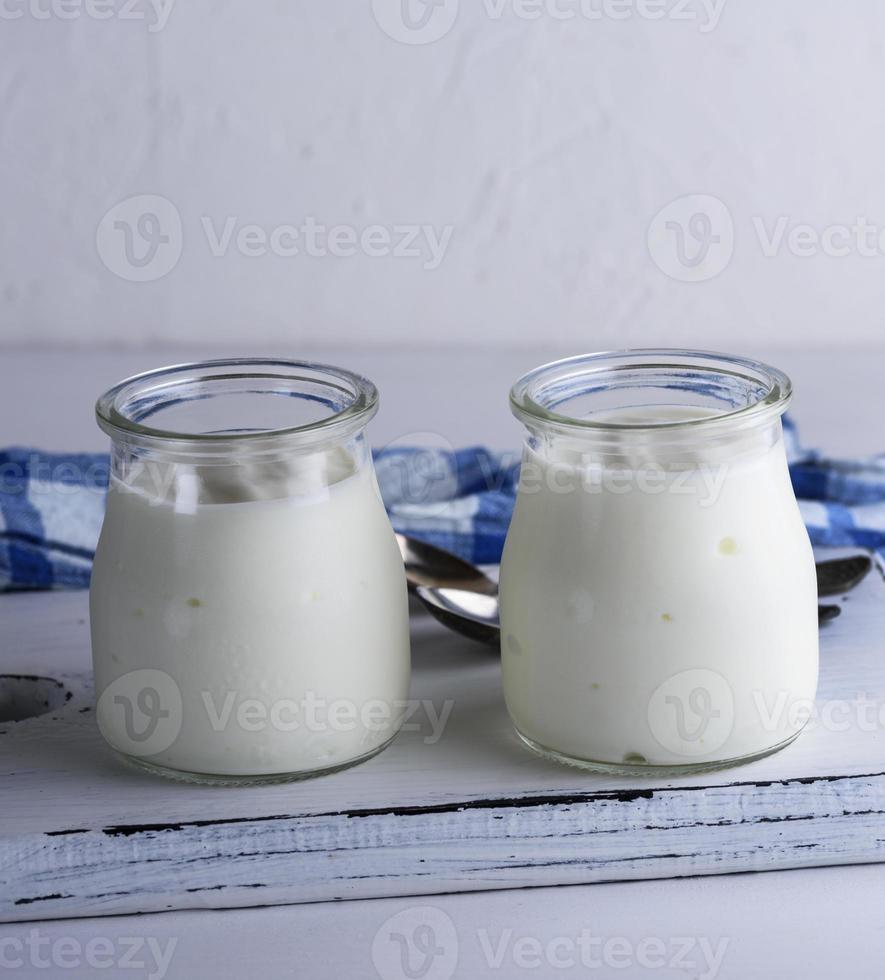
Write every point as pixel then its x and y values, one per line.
pixel 460 595
pixel 429 566
pixel 472 614
pixel 842 574
pixel 465 600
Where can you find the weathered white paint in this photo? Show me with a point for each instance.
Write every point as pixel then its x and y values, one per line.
pixel 83 835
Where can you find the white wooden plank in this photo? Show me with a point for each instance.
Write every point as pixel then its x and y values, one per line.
pixel 81 834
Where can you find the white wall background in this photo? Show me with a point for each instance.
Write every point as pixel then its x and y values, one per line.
pixel 546 143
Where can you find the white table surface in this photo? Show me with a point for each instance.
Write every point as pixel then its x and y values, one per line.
pixel 814 923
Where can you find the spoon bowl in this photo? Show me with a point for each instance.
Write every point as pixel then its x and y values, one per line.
pixel 432 567
pixel 471 614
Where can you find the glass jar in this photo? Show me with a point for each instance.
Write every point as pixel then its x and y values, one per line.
pixel 658 591
pixel 248 603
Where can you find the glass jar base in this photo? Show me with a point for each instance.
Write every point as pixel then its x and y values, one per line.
pixel 649 769
pixel 215 779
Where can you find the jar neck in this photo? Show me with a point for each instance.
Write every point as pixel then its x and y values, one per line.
pixel 665 401
pixel 651 449
pixel 188 481
pixel 215 412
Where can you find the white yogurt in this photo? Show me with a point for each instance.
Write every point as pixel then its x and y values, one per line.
pixel 262 607
pixel 664 609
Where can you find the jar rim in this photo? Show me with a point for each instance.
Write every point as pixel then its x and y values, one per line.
pixel 528 394
pixel 114 409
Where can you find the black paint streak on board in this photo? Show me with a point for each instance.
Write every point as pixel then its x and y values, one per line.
pixel 516 803
pixel 40 898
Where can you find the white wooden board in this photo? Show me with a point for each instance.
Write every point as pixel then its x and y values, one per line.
pixel 82 834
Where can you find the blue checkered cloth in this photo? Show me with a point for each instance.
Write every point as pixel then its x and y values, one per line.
pixel 51 505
